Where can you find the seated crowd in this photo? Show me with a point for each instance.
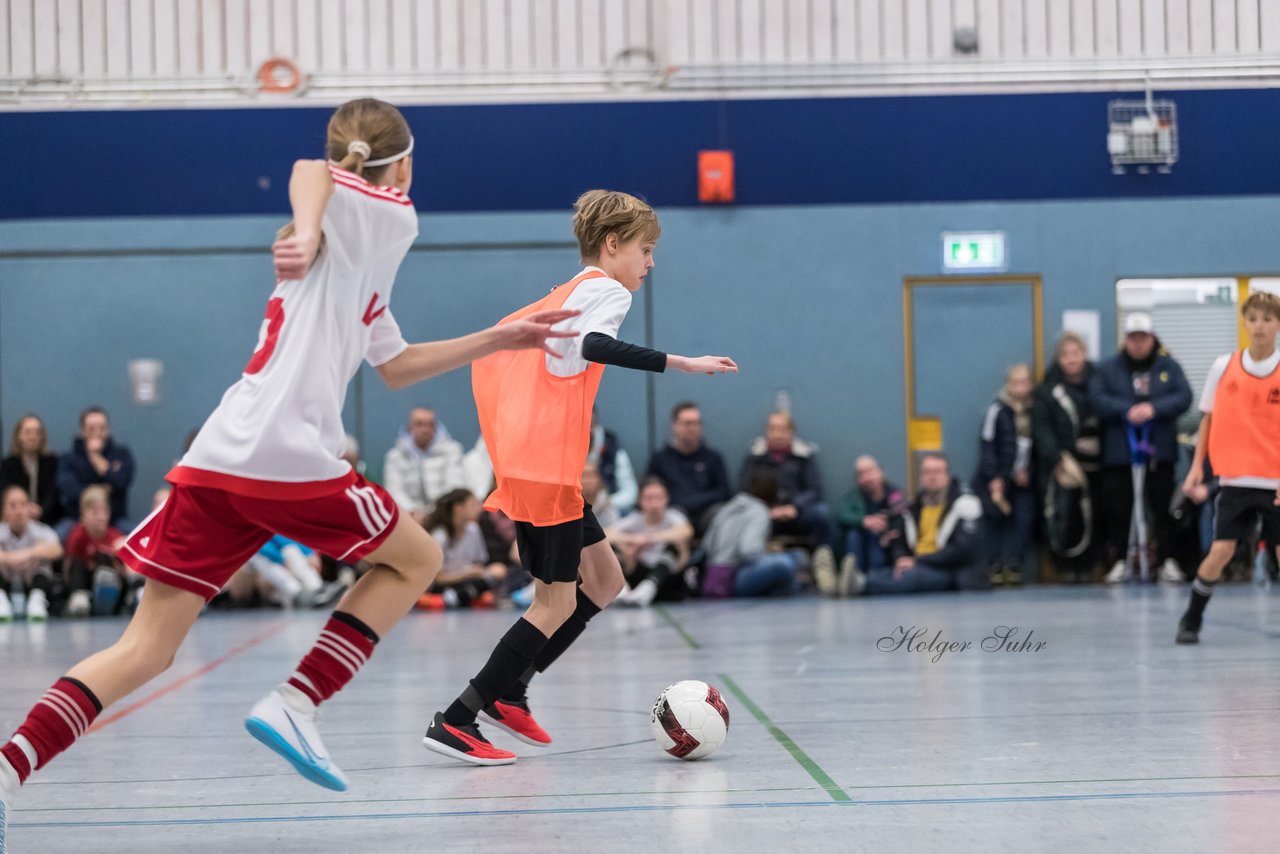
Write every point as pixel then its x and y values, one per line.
pixel 1057 466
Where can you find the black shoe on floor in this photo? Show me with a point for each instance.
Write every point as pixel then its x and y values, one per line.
pixel 1186 634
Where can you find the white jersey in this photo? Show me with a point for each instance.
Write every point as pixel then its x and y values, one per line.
pixel 604 304
pixel 278 431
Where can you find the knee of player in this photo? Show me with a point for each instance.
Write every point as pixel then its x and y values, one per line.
pixel 1221 551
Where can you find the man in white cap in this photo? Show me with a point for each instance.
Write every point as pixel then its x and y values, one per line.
pixel 1138 395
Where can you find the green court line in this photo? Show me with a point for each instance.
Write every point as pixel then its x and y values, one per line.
pixel 814 771
pixel 675 624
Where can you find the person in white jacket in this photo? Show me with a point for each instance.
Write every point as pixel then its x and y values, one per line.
pixel 424 463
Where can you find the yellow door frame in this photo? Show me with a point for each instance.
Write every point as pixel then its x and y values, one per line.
pixel 924 432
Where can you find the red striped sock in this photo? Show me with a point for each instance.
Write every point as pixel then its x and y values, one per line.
pixel 341 650
pixel 64 713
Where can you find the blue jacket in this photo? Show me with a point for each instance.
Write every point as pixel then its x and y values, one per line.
pixel 1112 392
pixel 75 472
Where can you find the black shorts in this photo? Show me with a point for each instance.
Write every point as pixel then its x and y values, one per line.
pixel 1238 508
pixel 553 553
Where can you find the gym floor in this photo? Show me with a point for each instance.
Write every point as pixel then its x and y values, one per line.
pixel 1104 735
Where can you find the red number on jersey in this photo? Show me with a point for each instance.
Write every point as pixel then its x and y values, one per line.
pixel 268 336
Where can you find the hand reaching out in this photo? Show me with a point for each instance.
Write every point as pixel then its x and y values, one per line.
pixel 702 364
pixel 534 330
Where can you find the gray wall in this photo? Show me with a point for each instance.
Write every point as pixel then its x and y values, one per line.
pixel 806 299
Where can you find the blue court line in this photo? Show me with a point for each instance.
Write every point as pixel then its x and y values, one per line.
pixel 1009 799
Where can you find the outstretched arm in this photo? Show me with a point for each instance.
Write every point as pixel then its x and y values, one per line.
pixel 310 188
pixel 607 350
pixel 431 358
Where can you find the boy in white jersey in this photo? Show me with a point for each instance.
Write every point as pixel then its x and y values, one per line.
pixel 1240 433
pixel 267 460
pixel 535 414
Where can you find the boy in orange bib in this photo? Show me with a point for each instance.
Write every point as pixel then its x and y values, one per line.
pixel 535 414
pixel 1240 432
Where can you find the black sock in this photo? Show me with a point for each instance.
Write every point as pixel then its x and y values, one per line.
pixel 567 633
pixel 1201 590
pixel 510 659
pixel 519 692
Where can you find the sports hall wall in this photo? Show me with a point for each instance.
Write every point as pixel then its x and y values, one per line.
pixel 144 234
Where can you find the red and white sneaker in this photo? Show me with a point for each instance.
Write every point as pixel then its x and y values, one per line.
pixel 465 743
pixel 515 718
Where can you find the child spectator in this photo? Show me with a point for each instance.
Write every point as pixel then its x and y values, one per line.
pixel 596 493
pixel 1004 474
pixel 653 547
pixel 736 540
pixel 92 564
pixel 27 552
pixel 293 571
pixel 468 578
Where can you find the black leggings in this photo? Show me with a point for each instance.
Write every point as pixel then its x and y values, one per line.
pixel 1116 504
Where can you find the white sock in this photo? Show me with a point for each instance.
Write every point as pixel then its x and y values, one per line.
pixel 296 700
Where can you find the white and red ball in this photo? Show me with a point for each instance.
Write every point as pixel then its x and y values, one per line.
pixel 690 720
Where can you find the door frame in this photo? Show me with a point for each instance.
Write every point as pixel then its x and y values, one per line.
pixel 924 432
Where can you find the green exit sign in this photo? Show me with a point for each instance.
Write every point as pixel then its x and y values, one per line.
pixel 975 250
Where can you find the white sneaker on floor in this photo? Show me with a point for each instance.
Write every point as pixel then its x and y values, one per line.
pixel 643 594
pixel 6 608
pixel 1171 572
pixel 623 599
pixel 824 570
pixel 1119 572
pixel 292 734
pixel 852 580
pixel 78 605
pixel 37 607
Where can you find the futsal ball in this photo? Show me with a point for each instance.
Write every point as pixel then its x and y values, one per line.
pixel 690 720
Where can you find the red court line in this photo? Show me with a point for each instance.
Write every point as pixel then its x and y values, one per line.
pixel 173 686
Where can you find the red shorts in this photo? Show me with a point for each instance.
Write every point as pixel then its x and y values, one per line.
pixel 201 536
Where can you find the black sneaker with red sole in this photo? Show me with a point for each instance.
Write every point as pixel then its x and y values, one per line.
pixel 464 742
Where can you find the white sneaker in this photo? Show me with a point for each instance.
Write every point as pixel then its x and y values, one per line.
pixel 6 615
pixel 1119 572
pixel 853 581
pixel 291 732
pixel 643 594
pixel 37 607
pixel 78 605
pixel 623 599
pixel 824 570
pixel 1171 572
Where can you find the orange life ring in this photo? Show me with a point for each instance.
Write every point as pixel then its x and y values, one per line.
pixel 279 75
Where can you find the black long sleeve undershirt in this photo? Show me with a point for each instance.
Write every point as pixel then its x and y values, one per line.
pixel 606 350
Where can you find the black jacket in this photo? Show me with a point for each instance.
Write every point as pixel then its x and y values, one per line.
pixel 959 538
pixel 695 481
pixel 1061 416
pixel 1114 388
pixel 75 472
pixel 14 473
pixel 799 481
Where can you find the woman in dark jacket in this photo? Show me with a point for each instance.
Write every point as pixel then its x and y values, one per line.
pixel 1068 450
pixel 32 466
pixel 1004 477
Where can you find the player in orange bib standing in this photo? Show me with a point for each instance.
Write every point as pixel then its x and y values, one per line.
pixel 268 459
pixel 535 414
pixel 1241 433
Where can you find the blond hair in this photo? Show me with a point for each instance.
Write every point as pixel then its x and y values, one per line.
pixel 94 496
pixel 15 448
pixel 1263 301
pixel 1069 337
pixel 599 213
pixel 378 125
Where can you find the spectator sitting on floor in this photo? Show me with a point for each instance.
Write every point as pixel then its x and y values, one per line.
pixel 34 467
pixel 1139 392
pixel 653 546
pixel 1004 477
pixel 98 581
pixel 736 542
pixel 596 493
pixel 694 473
pixel 865 514
pixel 467 578
pixel 425 463
pixel 799 513
pixel 293 572
pixel 95 458
pixel 935 545
pixel 614 465
pixel 27 552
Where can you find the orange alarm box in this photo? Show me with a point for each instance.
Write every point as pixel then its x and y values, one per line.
pixel 715 176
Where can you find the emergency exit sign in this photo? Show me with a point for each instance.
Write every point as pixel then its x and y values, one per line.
pixel 975 250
